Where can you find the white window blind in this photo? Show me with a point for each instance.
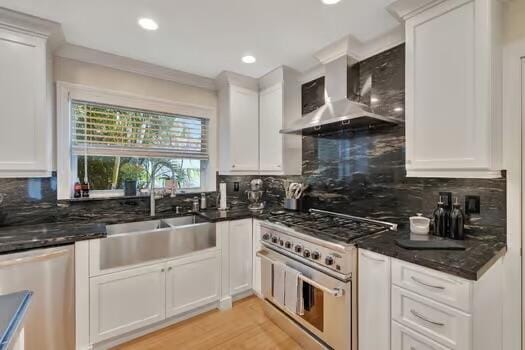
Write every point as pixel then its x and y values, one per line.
pixel 101 130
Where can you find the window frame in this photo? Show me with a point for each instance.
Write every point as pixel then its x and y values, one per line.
pixel 66 92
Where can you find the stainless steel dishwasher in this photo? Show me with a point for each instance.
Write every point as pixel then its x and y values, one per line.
pixel 49 273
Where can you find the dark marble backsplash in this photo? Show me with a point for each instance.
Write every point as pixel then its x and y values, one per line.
pixel 34 201
pixel 356 173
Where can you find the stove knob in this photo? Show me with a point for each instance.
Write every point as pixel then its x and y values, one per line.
pixel 266 236
pixel 329 260
pixel 281 242
pixel 316 255
pixel 298 249
pixel 306 253
pixel 274 240
pixel 288 245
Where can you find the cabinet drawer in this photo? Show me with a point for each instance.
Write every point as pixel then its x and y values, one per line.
pixel 439 322
pixel 435 285
pixel 404 338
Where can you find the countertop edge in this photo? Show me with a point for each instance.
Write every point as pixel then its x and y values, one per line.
pixel 470 275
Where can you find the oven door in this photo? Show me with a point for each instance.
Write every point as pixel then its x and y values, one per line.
pixel 326 301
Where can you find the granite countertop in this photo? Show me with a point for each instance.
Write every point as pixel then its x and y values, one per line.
pixel 484 245
pixel 17 238
pixel 13 308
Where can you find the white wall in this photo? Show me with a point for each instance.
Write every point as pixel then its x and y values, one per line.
pixel 514 22
pixel 103 77
pixel 513 39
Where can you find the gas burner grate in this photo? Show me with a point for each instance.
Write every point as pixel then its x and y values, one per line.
pixel 336 226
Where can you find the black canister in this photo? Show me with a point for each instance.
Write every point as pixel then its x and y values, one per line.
pixel 440 220
pixel 457 222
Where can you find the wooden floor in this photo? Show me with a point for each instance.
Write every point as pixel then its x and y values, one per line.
pixel 243 327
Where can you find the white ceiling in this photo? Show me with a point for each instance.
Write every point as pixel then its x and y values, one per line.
pixel 206 37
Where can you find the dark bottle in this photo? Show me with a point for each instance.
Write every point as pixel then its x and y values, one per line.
pixel 440 220
pixel 457 222
pixel 77 189
pixel 85 189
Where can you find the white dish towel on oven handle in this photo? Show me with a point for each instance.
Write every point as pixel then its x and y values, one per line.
pixel 293 291
pixel 279 275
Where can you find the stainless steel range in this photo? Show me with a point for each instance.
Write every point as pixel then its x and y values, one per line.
pixel 308 266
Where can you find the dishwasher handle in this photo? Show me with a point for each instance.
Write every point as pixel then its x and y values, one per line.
pixel 33 258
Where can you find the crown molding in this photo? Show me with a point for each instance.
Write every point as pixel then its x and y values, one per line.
pixel 358 50
pixel 405 9
pixel 28 24
pixel 87 55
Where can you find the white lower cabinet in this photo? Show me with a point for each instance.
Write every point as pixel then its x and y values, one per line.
pixel 374 301
pixel 191 283
pixel 125 301
pixel 427 309
pixel 240 248
pixel 128 300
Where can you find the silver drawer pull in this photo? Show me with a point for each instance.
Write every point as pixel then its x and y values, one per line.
pixel 426 284
pixel 372 258
pixel 418 315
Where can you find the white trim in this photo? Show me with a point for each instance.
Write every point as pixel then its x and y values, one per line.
pixel 359 50
pixel 68 91
pixel 512 161
pixel 87 55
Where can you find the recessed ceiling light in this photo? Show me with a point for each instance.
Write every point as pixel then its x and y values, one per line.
pixel 148 24
pixel 398 109
pixel 248 59
pixel 374 100
pixel 330 2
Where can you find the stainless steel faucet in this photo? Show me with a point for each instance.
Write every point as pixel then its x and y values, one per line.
pixel 154 169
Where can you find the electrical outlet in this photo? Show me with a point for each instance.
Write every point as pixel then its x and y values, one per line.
pixel 236 187
pixel 472 205
pixel 446 197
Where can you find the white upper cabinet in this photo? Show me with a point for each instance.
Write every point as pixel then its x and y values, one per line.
pixel 279 105
pixel 251 114
pixel 453 108
pixel 25 104
pixel 244 130
pixel 238 124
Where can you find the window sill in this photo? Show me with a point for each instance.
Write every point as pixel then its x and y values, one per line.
pixel 145 196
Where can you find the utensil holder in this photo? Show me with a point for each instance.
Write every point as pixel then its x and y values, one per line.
pixel 292 204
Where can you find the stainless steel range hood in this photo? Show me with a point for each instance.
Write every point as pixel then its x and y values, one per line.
pixel 340 111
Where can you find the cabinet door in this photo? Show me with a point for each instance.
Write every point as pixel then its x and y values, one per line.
pixel 271 121
pixel 192 282
pixel 25 126
pixel 448 116
pixel 256 261
pixel 125 301
pixel 374 301
pixel 240 256
pixel 244 129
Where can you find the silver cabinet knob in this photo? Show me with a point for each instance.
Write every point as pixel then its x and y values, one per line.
pixel 170 268
pixel 161 270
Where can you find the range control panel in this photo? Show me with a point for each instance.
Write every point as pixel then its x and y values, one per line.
pixel 307 250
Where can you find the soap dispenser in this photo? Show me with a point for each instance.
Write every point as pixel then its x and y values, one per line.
pixel 440 219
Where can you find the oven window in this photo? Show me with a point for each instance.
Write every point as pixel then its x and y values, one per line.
pixel 313 301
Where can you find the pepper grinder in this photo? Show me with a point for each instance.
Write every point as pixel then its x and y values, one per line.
pixel 457 221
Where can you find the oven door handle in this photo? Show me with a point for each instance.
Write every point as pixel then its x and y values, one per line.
pixel 335 292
